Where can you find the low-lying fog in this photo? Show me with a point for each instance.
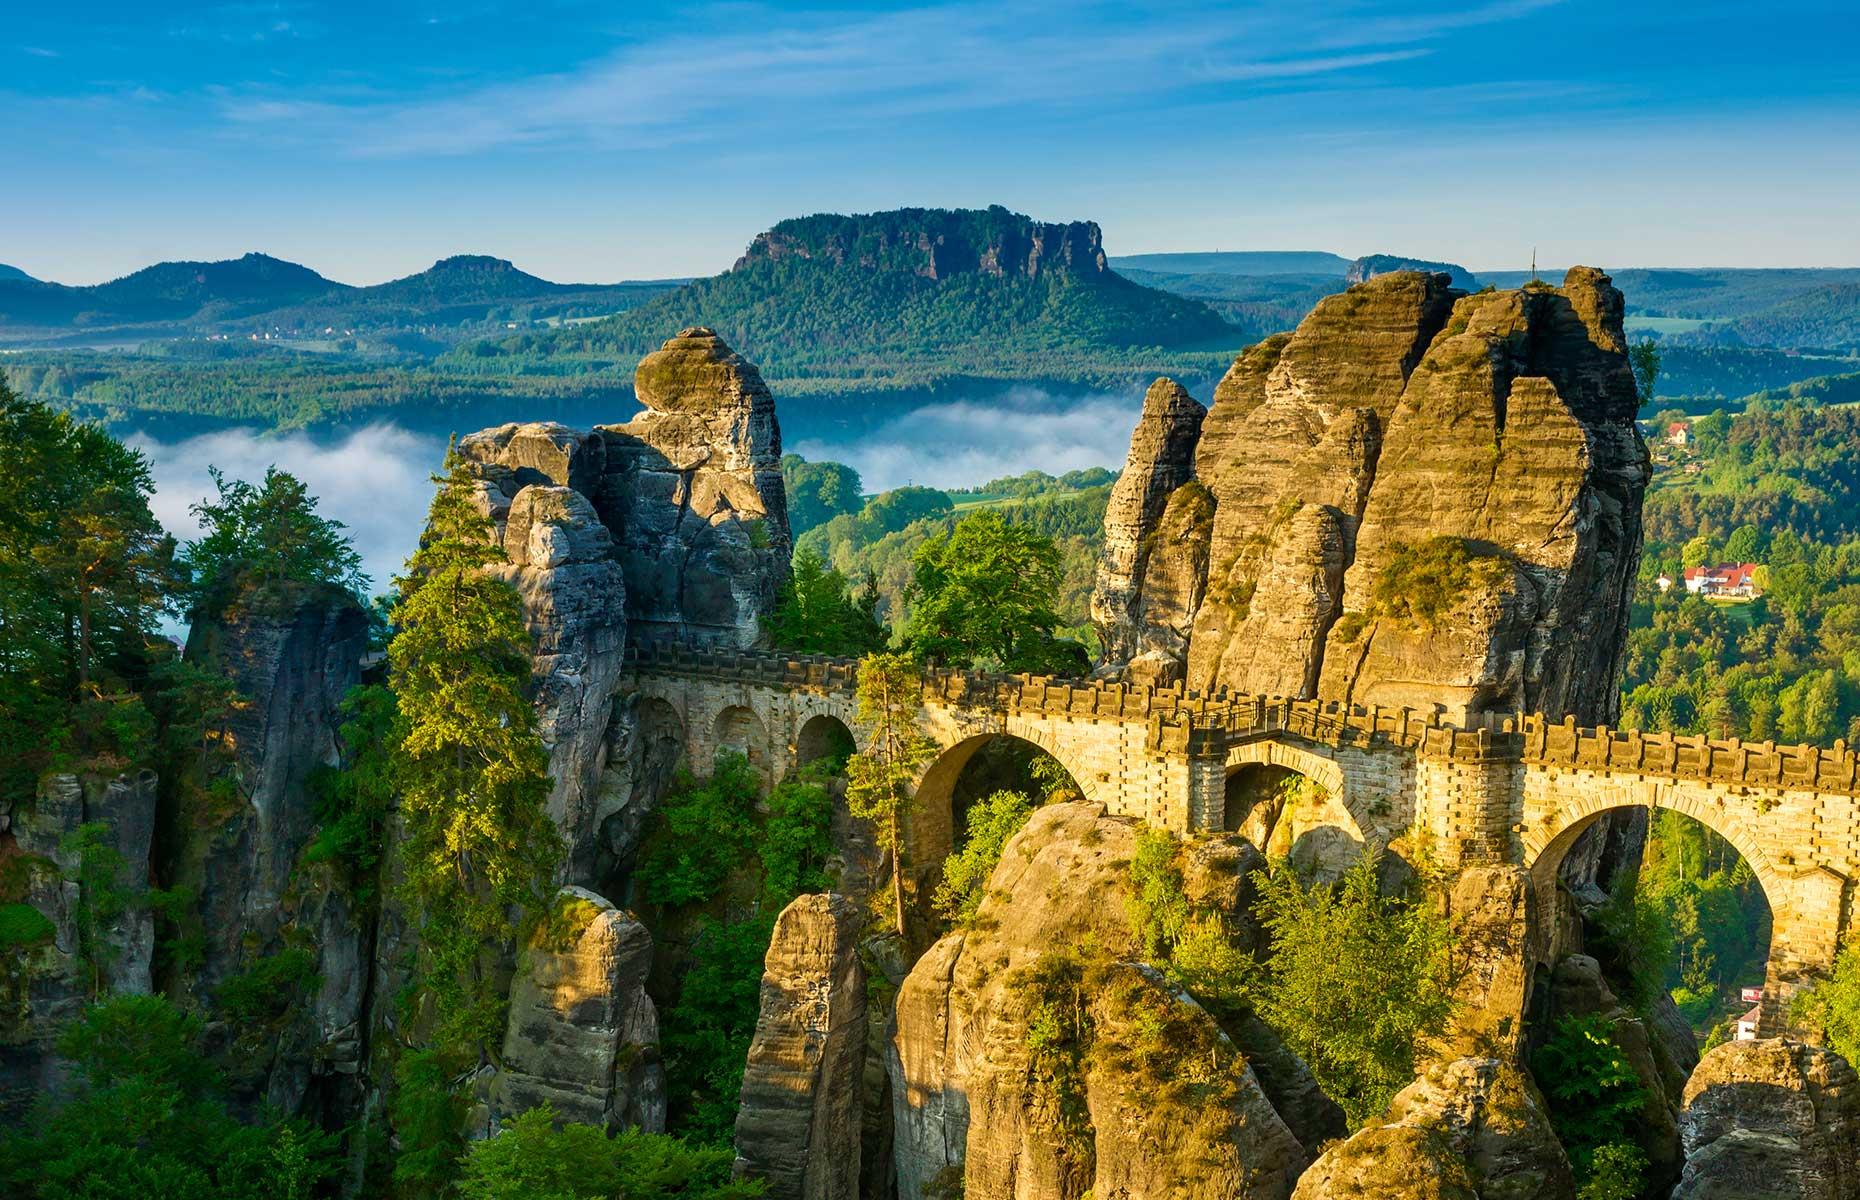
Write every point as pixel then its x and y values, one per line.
pixel 963 443
pixel 376 480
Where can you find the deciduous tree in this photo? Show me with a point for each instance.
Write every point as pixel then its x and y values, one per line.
pixel 983 596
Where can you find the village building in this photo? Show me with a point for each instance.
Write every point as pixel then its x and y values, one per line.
pixel 1731 581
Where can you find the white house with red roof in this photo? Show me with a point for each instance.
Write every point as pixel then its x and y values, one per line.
pixel 1728 580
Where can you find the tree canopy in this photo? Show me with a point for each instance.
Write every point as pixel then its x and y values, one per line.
pixel 259 544
pixel 818 492
pixel 84 572
pixel 983 596
pixel 818 613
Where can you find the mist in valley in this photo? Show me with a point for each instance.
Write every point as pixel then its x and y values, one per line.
pixel 377 480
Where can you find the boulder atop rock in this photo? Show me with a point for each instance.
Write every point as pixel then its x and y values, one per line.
pixel 551 527
pixel 1771 1118
pixel 1465 1130
pixel 516 455
pixel 696 371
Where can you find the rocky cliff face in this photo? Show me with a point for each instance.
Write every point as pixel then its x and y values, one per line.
pixel 673 525
pixel 292 667
pixel 1142 614
pixel 582 1034
pixel 1771 1118
pixel 800 1121
pixel 50 971
pixel 1419 497
pixel 968 1101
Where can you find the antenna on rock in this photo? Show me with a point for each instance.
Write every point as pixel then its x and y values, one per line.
pixel 1534 278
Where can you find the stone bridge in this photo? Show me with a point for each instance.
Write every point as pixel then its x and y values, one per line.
pixel 1522 791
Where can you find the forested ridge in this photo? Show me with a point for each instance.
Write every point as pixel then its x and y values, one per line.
pixel 906 298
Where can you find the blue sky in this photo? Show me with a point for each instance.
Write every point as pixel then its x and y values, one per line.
pixel 606 141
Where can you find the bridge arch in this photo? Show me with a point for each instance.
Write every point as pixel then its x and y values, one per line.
pixel 1549 838
pixel 823 736
pixel 937 813
pixel 1317 826
pixel 738 728
pixel 1806 904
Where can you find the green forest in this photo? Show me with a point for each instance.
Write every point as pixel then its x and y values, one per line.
pixel 1777 485
pixel 435 814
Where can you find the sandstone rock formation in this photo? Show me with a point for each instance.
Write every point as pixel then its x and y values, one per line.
pixel 1496 930
pixel 689 490
pixel 1516 437
pixel 693 491
pixel 582 1034
pixel 1577 988
pixel 1771 1118
pixel 45 982
pixel 968 1101
pixel 673 525
pixel 799 1125
pixel 1469 1129
pixel 1143 620
pixel 561 563
pixel 292 661
pixel 1404 425
pixel 124 805
pixel 291 666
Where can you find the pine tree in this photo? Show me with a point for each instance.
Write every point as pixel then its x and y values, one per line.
pixel 479 851
pixel 880 778
pixel 263 541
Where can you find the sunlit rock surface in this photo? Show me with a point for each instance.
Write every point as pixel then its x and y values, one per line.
pixel 802 1101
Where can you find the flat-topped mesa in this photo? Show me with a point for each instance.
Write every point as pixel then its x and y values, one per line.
pixel 1420 498
pixel 939 243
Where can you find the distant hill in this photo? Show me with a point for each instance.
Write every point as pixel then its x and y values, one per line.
pixel 1371 265
pixel 1257 305
pixel 7 272
pixel 1796 308
pixel 1237 262
pixel 1268 291
pixel 261 294
pixel 172 291
pixel 911 298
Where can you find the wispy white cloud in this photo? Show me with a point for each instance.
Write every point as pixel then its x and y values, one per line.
pixel 39 52
pixel 751 69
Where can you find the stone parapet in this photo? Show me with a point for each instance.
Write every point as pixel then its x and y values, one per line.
pixel 1679 756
